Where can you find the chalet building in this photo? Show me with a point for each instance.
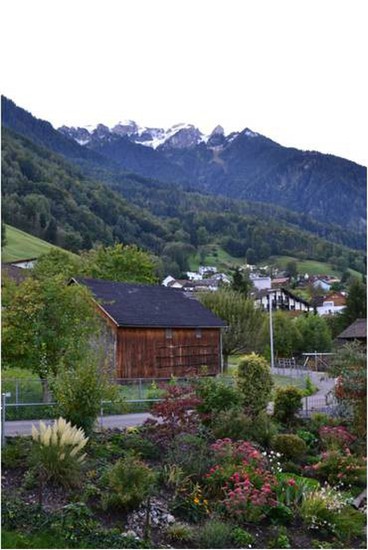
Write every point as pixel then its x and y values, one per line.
pixel 283 299
pixel 156 332
pixel 329 305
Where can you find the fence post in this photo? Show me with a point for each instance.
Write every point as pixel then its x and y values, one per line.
pixel 3 411
pixel 140 388
pixel 306 405
pixel 101 414
pixel 17 392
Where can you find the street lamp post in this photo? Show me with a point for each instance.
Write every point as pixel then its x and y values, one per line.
pixel 271 328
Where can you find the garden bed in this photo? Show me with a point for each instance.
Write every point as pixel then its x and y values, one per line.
pixel 209 473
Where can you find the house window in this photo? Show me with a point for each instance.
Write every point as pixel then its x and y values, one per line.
pixel 168 333
pixel 198 333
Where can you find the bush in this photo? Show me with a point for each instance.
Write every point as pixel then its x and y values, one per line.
pixel 288 401
pixel 349 523
pixel 264 429
pixel 139 444
pixel 319 507
pixel 15 453
pixel 56 453
pixel 215 534
pixel 180 532
pixel 341 467
pixel 233 423
pixel 216 396
pixel 336 437
pixel 255 383
pixel 242 538
pixel 191 454
pixel 79 392
pixel 130 481
pixel 290 446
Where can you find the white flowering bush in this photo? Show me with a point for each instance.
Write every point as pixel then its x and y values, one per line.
pixel 57 452
pixel 319 508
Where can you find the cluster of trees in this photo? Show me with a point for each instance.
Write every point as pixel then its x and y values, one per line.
pixel 47 325
pixel 49 198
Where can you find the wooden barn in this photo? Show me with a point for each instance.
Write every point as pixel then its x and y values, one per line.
pixel 156 332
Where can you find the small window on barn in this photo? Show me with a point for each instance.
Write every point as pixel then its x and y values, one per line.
pixel 168 333
pixel 198 333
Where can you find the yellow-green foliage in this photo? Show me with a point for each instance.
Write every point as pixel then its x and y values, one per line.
pixel 255 383
pixel 57 452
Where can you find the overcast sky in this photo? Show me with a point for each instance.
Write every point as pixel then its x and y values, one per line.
pixel 293 70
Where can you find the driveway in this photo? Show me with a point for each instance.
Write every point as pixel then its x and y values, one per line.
pixel 24 427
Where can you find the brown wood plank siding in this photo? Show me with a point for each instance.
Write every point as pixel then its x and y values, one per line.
pixel 149 353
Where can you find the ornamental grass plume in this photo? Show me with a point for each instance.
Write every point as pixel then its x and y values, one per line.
pixel 56 453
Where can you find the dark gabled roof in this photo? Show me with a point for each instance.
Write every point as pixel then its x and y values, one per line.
pixel 15 273
pixel 358 330
pixel 136 305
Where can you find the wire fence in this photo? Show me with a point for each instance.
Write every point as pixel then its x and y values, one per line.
pixel 24 396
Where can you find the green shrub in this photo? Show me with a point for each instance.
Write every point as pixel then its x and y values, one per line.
pixel 264 429
pixel 290 446
pixel 56 453
pixel 139 444
pixel 191 453
pixel 280 514
pixel 79 392
pixel 255 383
pixel 130 481
pixel 288 401
pixel 317 420
pixel 180 532
pixel 215 534
pixel 319 508
pixel 16 451
pixel 242 538
pixel 281 541
pixel 216 396
pixel 349 523
pixel 232 423
pixel 308 437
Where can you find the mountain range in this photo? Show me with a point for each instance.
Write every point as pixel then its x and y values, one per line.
pixel 241 165
pixel 176 191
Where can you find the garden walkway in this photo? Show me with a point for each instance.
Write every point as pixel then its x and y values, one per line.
pixel 24 427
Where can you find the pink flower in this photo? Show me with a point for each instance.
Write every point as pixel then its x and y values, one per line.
pixel 291 482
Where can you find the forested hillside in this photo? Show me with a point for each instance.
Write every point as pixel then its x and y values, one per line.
pixel 46 196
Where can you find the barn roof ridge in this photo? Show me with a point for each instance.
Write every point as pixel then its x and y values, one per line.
pixel 151 306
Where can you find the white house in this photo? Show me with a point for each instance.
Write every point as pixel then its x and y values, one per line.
pixel 260 283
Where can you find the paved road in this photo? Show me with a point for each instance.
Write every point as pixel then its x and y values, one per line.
pixel 316 401
pixel 24 427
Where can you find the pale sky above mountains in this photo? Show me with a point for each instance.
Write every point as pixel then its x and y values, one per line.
pixel 294 71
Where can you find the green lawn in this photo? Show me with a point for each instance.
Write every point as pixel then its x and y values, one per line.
pixel 312 267
pixel 21 245
pixel 214 255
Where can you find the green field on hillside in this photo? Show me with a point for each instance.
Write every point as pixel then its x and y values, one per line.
pixel 21 245
pixel 213 254
pixel 311 267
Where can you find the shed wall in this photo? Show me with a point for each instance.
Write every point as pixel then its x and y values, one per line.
pixel 160 353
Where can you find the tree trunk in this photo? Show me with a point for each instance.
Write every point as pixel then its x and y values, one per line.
pixel 46 396
pixel 225 363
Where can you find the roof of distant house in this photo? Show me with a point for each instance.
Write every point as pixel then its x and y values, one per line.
pixel 357 330
pixel 138 305
pixel 14 272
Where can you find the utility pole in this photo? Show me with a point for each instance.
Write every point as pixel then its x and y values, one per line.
pixel 271 328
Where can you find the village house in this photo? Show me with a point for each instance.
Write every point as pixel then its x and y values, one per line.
pixel 330 304
pixel 281 299
pixel 156 332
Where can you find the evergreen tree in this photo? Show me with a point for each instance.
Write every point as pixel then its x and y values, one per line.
pixel 356 302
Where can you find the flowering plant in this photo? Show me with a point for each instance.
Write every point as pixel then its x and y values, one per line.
pixel 340 467
pixel 333 437
pixel 248 494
